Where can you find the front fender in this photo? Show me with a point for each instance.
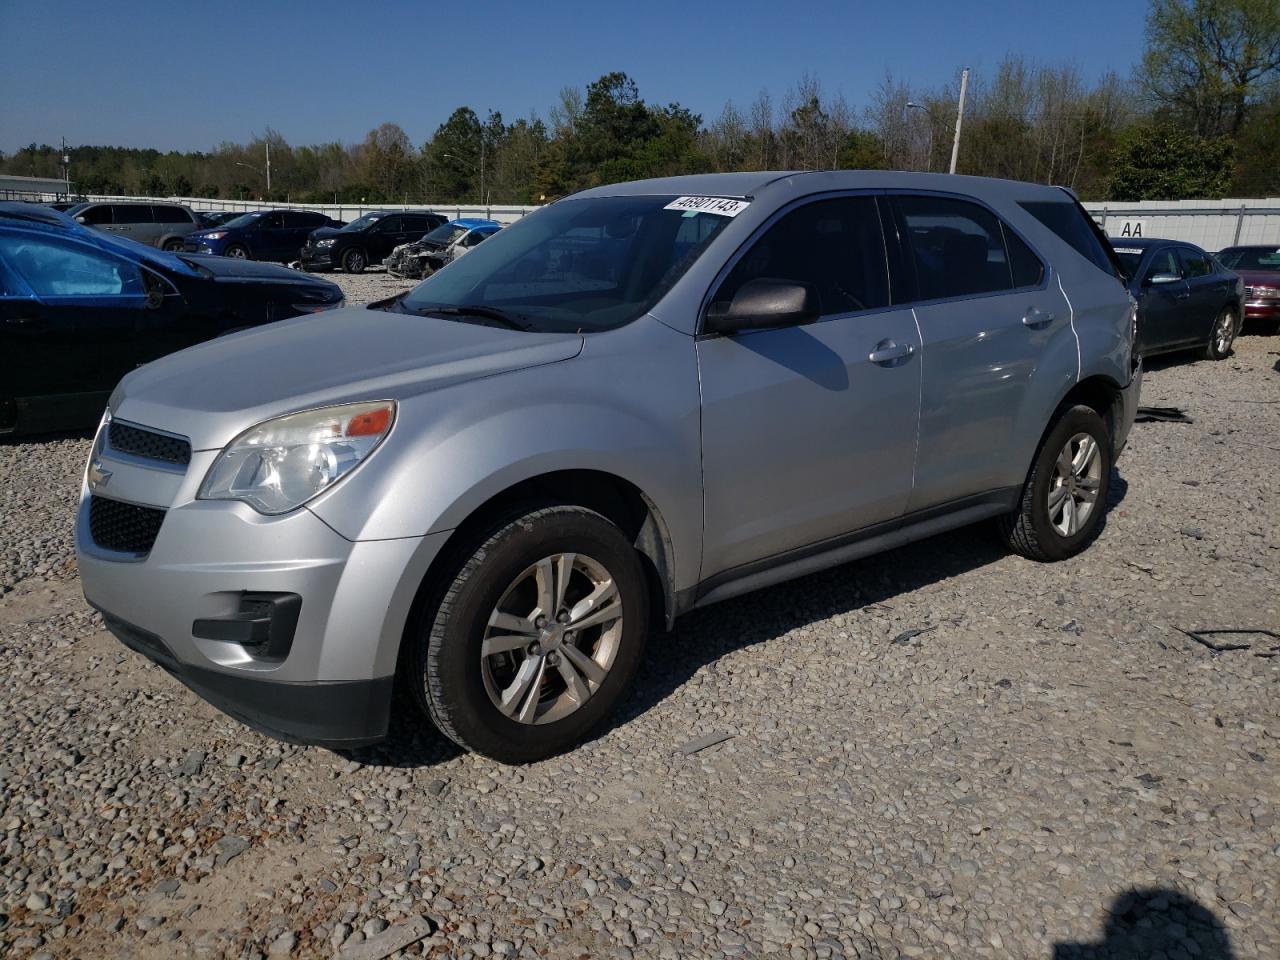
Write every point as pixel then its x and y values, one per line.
pixel 626 406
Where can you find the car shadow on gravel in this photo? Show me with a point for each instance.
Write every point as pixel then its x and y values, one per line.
pixel 10 440
pixel 1145 923
pixel 704 636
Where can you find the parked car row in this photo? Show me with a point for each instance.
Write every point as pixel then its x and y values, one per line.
pixel 80 308
pixel 275 235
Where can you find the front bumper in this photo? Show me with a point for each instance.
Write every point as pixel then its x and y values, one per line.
pixel 313 259
pixel 1262 310
pixel 332 685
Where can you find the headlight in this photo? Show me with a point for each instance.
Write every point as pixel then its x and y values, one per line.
pixel 279 465
pixel 216 235
pixel 325 243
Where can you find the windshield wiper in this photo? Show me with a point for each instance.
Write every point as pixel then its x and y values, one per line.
pixel 475 310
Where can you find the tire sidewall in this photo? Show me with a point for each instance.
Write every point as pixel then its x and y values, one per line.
pixel 1073 421
pixel 1214 353
pixel 455 634
pixel 350 257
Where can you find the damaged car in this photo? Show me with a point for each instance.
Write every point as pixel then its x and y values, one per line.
pixel 442 245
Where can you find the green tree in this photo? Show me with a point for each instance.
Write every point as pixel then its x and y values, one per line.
pixel 1206 61
pixel 1158 161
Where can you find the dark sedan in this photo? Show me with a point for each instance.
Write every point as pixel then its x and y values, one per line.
pixel 368 239
pixel 261 235
pixel 79 309
pixel 1259 267
pixel 1186 299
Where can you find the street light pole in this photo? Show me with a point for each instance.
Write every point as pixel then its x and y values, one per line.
pixel 268 143
pixel 912 105
pixel 955 144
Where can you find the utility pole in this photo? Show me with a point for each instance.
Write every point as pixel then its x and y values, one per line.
pixel 955 145
pixel 953 162
pixel 66 167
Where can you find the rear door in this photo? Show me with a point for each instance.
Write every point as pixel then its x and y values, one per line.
pixel 172 220
pixel 298 225
pixel 806 437
pixel 68 327
pixel 383 236
pixel 1162 309
pixel 1207 293
pixel 986 311
pixel 268 240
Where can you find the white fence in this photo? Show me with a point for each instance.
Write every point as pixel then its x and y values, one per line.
pixel 1211 224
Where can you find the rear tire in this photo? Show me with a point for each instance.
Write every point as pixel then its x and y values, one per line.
pixel 1222 336
pixel 489 665
pixel 1056 519
pixel 353 261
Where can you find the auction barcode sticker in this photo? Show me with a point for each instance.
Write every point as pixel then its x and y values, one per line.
pixel 717 205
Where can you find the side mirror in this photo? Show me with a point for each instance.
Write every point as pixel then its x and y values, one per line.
pixel 1158 278
pixel 80 219
pixel 764 303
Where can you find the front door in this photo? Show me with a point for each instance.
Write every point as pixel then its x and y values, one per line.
pixel 1163 305
pixel 805 436
pixel 68 328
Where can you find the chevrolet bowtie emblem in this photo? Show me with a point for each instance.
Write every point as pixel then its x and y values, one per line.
pixel 98 476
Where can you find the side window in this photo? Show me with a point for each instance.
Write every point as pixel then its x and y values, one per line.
pixel 271 221
pixel 957 247
pixel 1164 262
pixel 54 268
pixel 170 214
pixel 414 224
pixel 132 213
pixel 389 225
pixel 95 216
pixel 1025 266
pixel 1069 221
pixel 834 245
pixel 1194 264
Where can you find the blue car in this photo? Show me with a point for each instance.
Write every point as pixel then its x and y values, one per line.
pixel 276 235
pixel 80 308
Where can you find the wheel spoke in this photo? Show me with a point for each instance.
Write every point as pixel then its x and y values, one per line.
pixel 1087 489
pixel 599 606
pixel 545 575
pixel 520 700
pixel 1056 496
pixel 564 567
pixel 584 664
pixel 572 679
pixel 1069 515
pixel 1084 456
pixel 504 644
pixel 1064 462
pixel 512 624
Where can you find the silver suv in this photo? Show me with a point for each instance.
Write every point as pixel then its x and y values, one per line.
pixel 160 225
pixel 639 400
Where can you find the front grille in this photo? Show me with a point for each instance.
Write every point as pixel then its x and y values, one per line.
pixel 123 527
pixel 148 444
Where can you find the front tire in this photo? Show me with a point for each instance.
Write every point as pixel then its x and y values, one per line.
pixel 353 261
pixel 236 252
pixel 1222 336
pixel 537 637
pixel 172 246
pixel 1065 494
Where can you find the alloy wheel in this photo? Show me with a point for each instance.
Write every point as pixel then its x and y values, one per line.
pixel 1073 490
pixel 1224 333
pixel 552 638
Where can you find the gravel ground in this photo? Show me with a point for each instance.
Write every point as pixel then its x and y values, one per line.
pixel 940 751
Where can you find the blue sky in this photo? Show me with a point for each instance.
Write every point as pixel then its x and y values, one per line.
pixel 186 75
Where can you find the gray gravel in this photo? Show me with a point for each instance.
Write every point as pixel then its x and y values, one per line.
pixel 1051 764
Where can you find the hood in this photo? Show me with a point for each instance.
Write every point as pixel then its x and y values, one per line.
pixel 323 233
pixel 230 269
pixel 1259 278
pixel 213 392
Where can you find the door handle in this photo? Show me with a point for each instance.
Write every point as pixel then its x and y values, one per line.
pixel 1035 318
pixel 886 352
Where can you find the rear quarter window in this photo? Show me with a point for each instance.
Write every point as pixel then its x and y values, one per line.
pixel 170 214
pixel 1068 220
pixel 132 213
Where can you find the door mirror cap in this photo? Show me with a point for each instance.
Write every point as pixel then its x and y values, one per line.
pixel 80 219
pixel 1158 278
pixel 763 303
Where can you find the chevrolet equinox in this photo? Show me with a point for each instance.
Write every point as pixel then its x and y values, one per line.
pixel 472 501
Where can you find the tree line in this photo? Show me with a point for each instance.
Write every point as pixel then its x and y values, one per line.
pixel 1199 117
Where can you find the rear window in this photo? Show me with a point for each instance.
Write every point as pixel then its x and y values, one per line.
pixel 1069 221
pixel 170 214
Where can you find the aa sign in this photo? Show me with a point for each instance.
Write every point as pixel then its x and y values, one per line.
pixel 1128 230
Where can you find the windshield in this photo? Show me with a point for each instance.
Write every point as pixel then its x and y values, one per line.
pixel 1129 258
pixel 1251 258
pixel 361 222
pixel 445 233
pixel 576 265
pixel 243 220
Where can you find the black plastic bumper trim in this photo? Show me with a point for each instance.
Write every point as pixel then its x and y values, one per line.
pixel 336 714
